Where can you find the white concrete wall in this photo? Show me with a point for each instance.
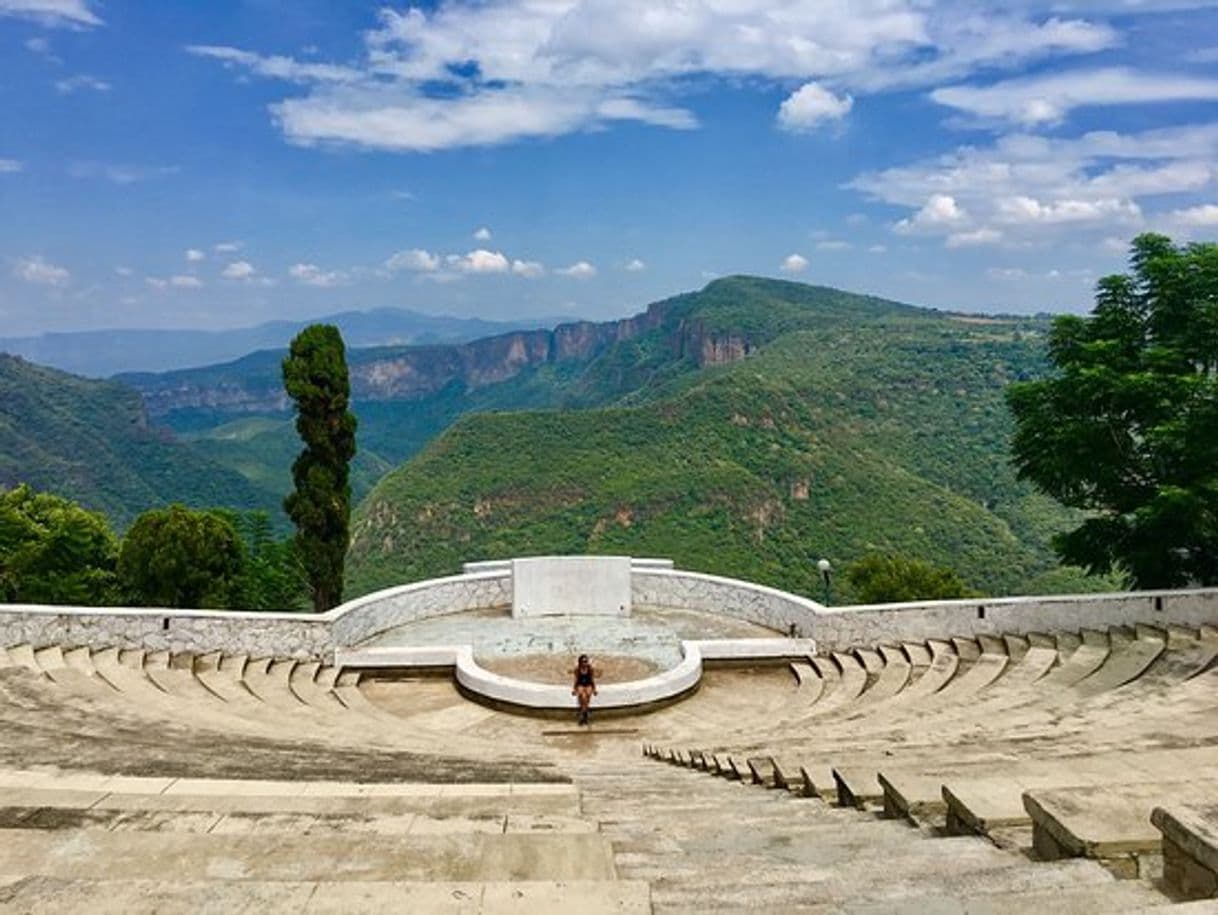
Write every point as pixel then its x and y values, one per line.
pixel 306 635
pixel 571 585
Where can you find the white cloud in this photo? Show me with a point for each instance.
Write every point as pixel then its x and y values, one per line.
pixel 239 270
pixel 467 74
pixel 878 249
pixel 833 244
pixel 120 173
pixel 1204 215
pixel 982 236
pixel 226 247
pixel 70 13
pixel 8 166
pixel 482 234
pixel 580 270
pixel 41 272
pixel 277 67
pixel 123 271
pixel 184 281
pixel 939 210
pixel 528 269
pixel 83 81
pixel 794 263
pixel 479 261
pixel 415 259
pixel 1037 190
pixel 155 282
pixel 1047 99
pixel 38 45
pixel 635 266
pixel 194 255
pixel 312 275
pixel 1006 273
pixel 811 105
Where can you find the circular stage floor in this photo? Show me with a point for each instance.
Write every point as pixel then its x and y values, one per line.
pixel 544 649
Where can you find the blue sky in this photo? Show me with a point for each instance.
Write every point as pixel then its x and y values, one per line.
pixel 213 164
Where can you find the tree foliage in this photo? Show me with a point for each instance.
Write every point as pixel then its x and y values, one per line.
pixel 883 579
pixel 53 551
pixel 179 557
pixel 315 377
pixel 1127 426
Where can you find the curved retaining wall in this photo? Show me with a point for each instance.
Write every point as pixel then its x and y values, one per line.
pixel 653 586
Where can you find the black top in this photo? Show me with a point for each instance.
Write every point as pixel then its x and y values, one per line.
pixel 583 677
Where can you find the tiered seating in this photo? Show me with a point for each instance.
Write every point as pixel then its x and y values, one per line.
pixel 391 794
pixel 1059 746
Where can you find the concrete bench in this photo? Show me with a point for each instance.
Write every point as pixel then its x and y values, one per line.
pixel 1190 848
pixel 1110 823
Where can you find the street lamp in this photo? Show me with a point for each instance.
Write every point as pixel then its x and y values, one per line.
pixel 826 574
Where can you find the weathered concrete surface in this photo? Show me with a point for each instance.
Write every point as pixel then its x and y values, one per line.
pixel 1190 847
pixel 571 585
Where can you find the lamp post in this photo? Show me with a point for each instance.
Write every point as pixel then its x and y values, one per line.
pixel 826 575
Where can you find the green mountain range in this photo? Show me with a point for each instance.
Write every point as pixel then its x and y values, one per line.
pixel 749 429
pixel 91 441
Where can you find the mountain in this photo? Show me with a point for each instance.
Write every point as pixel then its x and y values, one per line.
pixel 92 441
pixel 103 353
pixel 748 429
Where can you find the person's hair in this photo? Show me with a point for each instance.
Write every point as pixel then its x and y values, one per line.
pixel 583 659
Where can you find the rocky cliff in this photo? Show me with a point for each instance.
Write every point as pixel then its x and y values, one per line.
pixel 406 373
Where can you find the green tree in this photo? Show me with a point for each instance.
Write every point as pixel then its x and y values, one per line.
pixel 880 579
pixel 1126 427
pixel 315 377
pixel 180 557
pixel 273 578
pixel 53 551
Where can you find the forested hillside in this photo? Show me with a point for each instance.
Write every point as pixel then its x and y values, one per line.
pixel 91 441
pixel 760 426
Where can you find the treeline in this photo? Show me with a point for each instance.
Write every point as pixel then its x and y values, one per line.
pixel 55 551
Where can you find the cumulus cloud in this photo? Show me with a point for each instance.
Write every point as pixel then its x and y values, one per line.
pixel 810 106
pixel 580 270
pixel 185 281
pixel 62 13
pixel 41 272
pixel 10 165
pixel 938 211
pixel 466 74
pixel 482 234
pixel 194 255
pixel 479 261
pixel 1204 215
pixel 1048 99
pixel 239 270
pixel 530 270
pixel 312 275
pixel 794 263
pixel 226 247
pixel 81 82
pixel 415 259
pixel 1036 189
pixel 635 266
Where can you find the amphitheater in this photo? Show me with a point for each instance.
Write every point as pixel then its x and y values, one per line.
pixel 415 750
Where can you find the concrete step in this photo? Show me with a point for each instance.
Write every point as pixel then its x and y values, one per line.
pixel 98 855
pixel 1112 898
pixel 169 897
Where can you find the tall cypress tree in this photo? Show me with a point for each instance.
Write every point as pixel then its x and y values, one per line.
pixel 315 377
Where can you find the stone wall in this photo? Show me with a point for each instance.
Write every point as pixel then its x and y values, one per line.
pixel 258 634
pixel 778 610
pixel 837 627
pixel 652 586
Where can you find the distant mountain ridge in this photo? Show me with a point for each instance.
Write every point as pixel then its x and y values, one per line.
pixel 103 353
